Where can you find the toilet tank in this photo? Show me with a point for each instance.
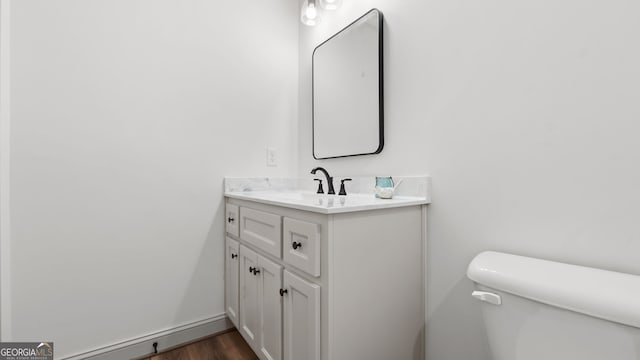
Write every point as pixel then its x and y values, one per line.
pixel 539 309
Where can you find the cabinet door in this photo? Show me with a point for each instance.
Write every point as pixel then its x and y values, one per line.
pixel 249 316
pixel 270 303
pixel 301 319
pixel 231 280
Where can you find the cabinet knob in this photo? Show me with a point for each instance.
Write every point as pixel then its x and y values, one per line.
pixel 296 245
pixel 230 219
pixel 256 271
pixel 251 269
pixel 283 291
pixel 233 256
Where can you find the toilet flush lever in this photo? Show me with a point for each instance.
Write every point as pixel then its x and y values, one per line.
pixel 485 296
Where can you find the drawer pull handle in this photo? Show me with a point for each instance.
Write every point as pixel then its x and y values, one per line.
pixel 230 219
pixel 296 245
pixel 233 256
pixel 283 291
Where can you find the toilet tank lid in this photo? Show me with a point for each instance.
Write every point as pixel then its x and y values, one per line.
pixel 600 293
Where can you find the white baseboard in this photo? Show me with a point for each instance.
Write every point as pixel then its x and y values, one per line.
pixel 166 339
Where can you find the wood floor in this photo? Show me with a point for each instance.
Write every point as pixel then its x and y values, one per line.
pixel 226 346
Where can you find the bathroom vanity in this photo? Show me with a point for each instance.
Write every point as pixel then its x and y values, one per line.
pixel 319 277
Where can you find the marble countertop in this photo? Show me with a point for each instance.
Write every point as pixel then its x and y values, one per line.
pixel 289 193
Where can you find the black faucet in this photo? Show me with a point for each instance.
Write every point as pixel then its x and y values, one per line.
pixel 329 179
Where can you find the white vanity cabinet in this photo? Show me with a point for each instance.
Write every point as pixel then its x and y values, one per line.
pixel 335 286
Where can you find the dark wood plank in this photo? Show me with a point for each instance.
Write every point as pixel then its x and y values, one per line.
pixel 226 346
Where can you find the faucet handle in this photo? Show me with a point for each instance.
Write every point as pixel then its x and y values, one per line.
pixel 320 189
pixel 343 191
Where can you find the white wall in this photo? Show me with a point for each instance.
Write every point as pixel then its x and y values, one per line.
pixel 125 117
pixel 526 115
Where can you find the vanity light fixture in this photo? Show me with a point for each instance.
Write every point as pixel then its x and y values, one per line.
pixel 309 14
pixel 330 4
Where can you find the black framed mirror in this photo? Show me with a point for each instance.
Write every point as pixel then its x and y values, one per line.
pixel 347 88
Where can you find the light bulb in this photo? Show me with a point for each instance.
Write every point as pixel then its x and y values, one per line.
pixel 309 14
pixel 330 4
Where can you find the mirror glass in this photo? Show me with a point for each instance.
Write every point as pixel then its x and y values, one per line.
pixel 347 91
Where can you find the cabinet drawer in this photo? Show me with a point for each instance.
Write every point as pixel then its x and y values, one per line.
pixel 302 245
pixel 261 229
pixel 231 219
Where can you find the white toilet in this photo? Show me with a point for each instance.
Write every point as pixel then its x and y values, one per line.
pixel 538 309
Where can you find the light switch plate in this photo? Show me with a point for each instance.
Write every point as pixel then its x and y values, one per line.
pixel 272 158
